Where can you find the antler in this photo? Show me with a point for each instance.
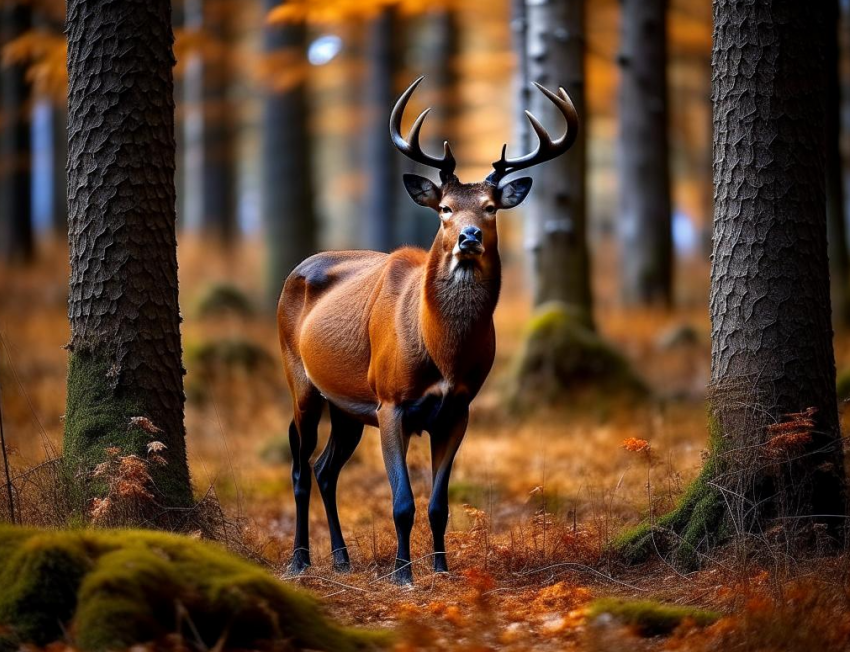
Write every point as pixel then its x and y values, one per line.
pixel 411 147
pixel 547 149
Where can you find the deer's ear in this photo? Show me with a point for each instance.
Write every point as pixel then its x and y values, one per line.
pixel 421 190
pixel 512 194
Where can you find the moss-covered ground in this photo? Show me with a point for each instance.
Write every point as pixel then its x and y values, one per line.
pixel 111 589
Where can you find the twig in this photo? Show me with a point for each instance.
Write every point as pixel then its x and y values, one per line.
pixel 581 567
pixel 6 463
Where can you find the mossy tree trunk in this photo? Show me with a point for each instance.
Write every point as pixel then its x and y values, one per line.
pixel 382 182
pixel 289 212
pixel 772 350
pixel 562 352
pixel 557 212
pixel 211 122
pixel 125 351
pixel 646 234
pixel 16 232
pixel 839 261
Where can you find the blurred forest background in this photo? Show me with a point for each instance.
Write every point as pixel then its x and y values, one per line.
pixel 283 150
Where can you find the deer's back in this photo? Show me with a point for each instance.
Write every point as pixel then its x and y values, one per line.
pixel 324 320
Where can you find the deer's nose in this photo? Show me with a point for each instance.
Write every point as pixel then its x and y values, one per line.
pixel 469 239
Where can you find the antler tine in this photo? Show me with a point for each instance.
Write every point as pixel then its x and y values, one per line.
pixel 411 147
pixel 546 149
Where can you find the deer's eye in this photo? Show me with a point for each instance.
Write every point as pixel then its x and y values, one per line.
pixel 445 210
pixel 490 209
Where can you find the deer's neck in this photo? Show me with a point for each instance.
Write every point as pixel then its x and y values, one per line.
pixel 458 301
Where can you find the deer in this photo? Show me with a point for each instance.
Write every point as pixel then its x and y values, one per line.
pixel 401 341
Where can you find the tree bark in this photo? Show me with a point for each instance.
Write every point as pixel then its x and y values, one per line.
pixel 288 207
pixel 771 333
pixel 556 214
pixel 125 350
pixel 59 181
pixel 211 125
pixel 839 261
pixel 646 238
pixel 382 182
pixel 16 232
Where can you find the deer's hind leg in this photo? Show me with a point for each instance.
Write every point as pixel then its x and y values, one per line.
pixel 345 436
pixel 303 435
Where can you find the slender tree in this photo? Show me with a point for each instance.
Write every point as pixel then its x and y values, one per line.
pixel 438 35
pixel 557 209
pixel 289 212
pixel 16 232
pixel 211 122
pixel 380 202
pixel 646 238
pixel 772 356
pixel 839 261
pixel 125 375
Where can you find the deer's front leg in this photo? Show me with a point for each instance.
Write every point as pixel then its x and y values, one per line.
pixel 394 444
pixel 445 441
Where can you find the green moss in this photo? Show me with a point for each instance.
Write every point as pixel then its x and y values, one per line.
pixel 842 385
pixel 651 618
pixel 561 358
pixel 116 588
pixel 98 416
pixel 233 353
pixel 223 299
pixel 697 524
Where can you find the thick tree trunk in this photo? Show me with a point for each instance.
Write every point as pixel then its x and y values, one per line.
pixel 556 214
pixel 16 232
pixel 839 262
pixel 382 181
pixel 772 350
pixel 125 350
pixel 646 238
pixel 211 125
pixel 289 212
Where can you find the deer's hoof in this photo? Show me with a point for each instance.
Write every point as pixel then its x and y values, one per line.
pixel 403 573
pixel 300 562
pixel 342 562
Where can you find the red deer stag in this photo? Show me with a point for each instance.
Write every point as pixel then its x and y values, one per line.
pixel 402 341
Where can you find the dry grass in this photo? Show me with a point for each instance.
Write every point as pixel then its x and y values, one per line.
pixel 534 503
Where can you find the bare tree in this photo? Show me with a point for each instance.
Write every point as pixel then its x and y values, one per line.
pixel 557 209
pixel 211 122
pixel 125 375
pixel 646 237
pixel 380 201
pixel 289 212
pixel 16 232
pixel 772 356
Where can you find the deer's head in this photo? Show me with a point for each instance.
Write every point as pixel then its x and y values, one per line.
pixel 468 210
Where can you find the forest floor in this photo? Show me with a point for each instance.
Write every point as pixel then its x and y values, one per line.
pixel 535 500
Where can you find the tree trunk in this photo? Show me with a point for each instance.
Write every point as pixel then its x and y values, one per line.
pixel 772 350
pixel 382 182
pixel 437 52
pixel 59 181
pixel 289 212
pixel 16 232
pixel 646 237
pixel 839 262
pixel 125 350
pixel 556 214
pixel 211 125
